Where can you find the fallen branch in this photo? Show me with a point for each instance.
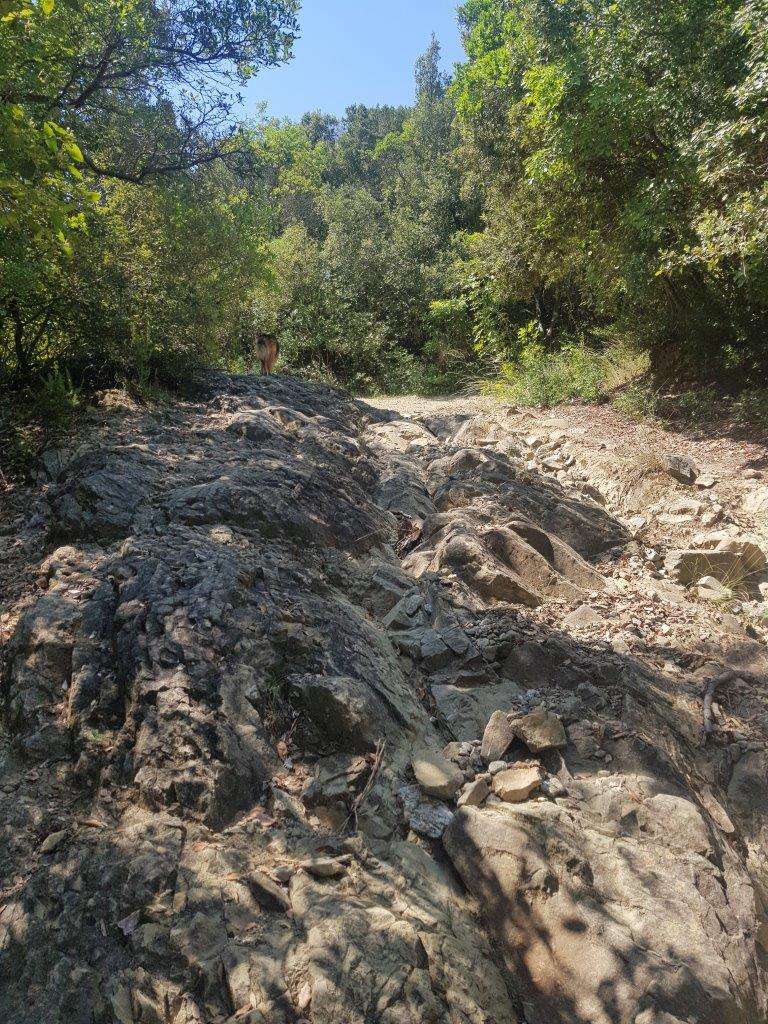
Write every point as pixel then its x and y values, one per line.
pixel 360 799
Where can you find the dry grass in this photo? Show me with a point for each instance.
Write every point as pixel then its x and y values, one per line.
pixel 624 366
pixel 648 462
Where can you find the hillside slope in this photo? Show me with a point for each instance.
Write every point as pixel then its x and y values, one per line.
pixel 317 713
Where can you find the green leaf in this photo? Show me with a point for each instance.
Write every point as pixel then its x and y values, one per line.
pixel 74 151
pixel 47 6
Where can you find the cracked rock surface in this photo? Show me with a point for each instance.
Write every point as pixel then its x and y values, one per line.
pixel 247 772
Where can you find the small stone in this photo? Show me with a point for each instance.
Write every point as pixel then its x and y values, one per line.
pixel 553 788
pixel 711 589
pixel 680 468
pixel 452 751
pixel 497 766
pixel 325 867
pixel 474 793
pixel 305 996
pixel 516 784
pixel 267 892
pixel 435 775
pixel 636 525
pixel 283 873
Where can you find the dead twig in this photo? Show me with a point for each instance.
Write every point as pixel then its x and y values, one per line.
pixel 360 799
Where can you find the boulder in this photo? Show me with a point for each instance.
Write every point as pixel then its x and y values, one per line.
pixel 335 781
pixel 732 561
pixel 466 710
pixel 430 820
pixel 518 563
pixel 434 651
pixel 401 436
pixel 584 923
pixel 581 736
pixel 751 556
pixel 345 710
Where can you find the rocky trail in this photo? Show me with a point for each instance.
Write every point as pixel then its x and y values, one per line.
pixel 333 712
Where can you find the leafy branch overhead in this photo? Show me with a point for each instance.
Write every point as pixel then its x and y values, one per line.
pixel 122 73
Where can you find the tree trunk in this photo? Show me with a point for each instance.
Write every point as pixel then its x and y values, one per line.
pixel 22 360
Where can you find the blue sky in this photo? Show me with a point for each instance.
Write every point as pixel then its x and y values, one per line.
pixel 355 52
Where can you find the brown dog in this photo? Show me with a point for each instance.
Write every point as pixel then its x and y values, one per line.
pixel 267 351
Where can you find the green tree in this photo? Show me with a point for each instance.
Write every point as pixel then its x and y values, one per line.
pixel 578 120
pixel 102 91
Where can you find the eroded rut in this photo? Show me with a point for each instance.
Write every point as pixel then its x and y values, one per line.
pixel 324 715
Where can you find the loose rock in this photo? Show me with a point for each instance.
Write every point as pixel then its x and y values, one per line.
pixel 474 793
pixel 516 784
pixel 435 775
pixel 541 731
pixel 498 735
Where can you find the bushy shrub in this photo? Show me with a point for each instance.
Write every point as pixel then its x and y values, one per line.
pixel 751 407
pixel 542 378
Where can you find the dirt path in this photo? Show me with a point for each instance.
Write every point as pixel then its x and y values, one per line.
pixel 613 451
pixel 720 450
pixel 439 405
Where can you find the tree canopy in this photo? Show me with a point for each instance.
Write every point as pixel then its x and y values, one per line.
pixel 593 174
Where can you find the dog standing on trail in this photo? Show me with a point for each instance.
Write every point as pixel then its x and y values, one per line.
pixel 267 351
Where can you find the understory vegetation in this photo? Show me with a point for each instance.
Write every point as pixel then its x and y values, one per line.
pixel 579 211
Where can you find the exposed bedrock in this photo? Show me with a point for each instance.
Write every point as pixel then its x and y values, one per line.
pixel 311 719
